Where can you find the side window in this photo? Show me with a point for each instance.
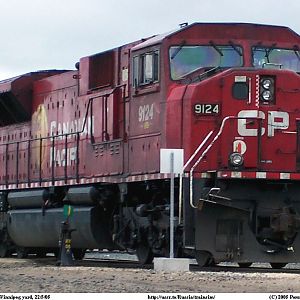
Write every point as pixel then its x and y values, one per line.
pixel 145 69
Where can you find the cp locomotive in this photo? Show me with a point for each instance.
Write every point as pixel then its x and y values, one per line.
pixel 228 94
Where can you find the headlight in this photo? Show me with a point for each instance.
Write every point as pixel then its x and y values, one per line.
pixel 267 89
pixel 266 84
pixel 267 95
pixel 236 159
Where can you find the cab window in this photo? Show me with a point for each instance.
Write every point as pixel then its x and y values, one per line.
pixel 145 69
pixel 276 58
pixel 187 59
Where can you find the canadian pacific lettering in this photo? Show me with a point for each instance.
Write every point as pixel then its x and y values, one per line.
pixel 61 155
pixel 57 128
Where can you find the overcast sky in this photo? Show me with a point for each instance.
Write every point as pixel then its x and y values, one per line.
pixel 54 34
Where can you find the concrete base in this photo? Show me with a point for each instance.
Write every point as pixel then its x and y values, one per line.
pixel 171 264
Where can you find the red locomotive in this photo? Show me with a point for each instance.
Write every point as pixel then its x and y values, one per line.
pixel 225 93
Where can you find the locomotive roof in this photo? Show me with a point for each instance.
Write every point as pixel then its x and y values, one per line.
pixel 30 74
pixel 250 31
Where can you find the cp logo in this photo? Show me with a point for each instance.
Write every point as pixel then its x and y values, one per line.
pixel 277 120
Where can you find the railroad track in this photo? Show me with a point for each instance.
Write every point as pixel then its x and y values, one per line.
pixel 235 269
pixel 115 258
pixel 123 260
pixel 132 263
pixel 109 263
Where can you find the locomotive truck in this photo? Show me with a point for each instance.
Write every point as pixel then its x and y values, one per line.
pixel 228 94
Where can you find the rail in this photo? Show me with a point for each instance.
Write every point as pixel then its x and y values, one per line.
pixel 205 151
pixel 51 142
pixel 203 154
pixel 184 167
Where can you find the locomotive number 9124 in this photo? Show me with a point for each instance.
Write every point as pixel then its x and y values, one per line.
pixel 206 109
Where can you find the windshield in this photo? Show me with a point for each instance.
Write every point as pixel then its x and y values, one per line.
pixel 275 57
pixel 186 59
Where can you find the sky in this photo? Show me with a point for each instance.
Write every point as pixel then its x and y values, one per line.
pixel 54 34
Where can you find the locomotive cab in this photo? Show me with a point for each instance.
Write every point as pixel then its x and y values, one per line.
pixel 242 184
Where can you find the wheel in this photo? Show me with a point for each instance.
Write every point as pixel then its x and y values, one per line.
pixel 56 253
pixel 22 252
pixel 278 265
pixel 78 253
pixel 41 253
pixel 245 264
pixel 3 251
pixel 203 258
pixel 144 254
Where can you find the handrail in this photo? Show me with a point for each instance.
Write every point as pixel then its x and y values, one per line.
pixel 70 133
pixel 204 153
pixel 52 138
pixel 184 167
pixel 208 148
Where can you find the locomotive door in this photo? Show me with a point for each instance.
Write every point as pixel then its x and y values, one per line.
pixel 144 115
pixel 242 132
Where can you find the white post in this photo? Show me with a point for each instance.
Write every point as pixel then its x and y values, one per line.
pixel 171 163
pixel 172 206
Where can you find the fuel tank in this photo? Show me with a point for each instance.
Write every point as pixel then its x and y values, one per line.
pixel 27 199
pixel 38 228
pixel 83 195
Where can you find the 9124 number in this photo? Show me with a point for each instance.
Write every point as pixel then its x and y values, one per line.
pixel 206 109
